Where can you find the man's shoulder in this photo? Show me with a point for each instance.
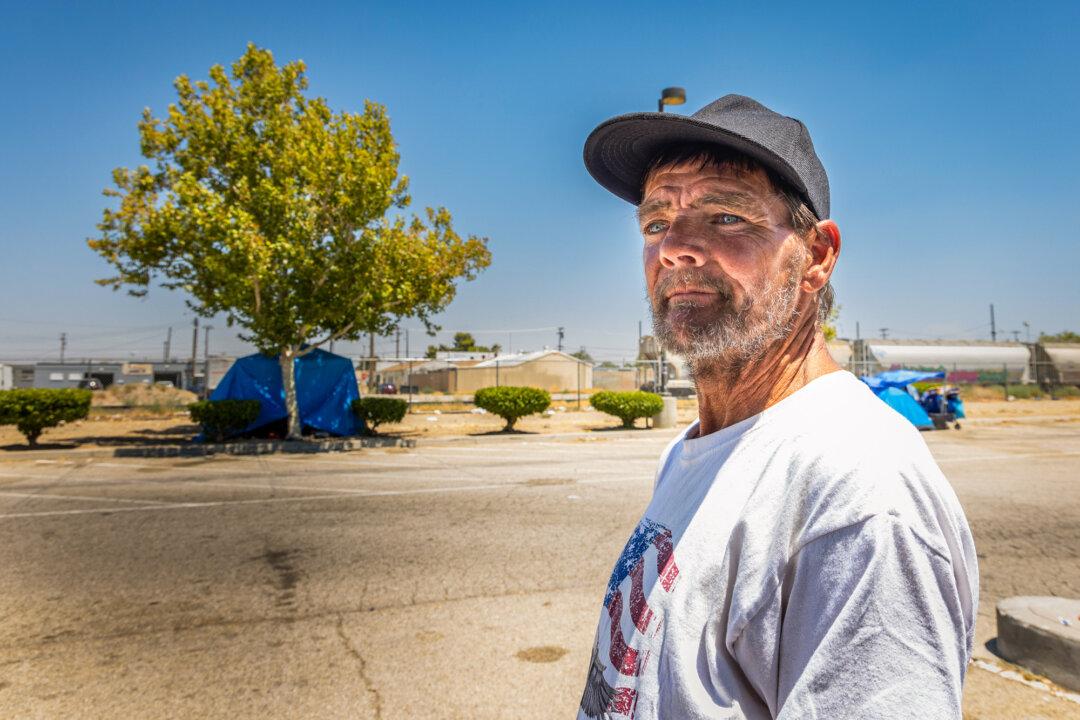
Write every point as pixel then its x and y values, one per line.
pixel 857 459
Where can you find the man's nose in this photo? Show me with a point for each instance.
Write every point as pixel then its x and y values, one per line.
pixel 680 248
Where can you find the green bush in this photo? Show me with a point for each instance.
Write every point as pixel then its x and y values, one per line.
pixel 512 403
pixel 221 418
pixel 1065 391
pixel 31 410
pixel 627 406
pixel 377 410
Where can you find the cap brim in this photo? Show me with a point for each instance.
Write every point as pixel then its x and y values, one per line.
pixel 619 151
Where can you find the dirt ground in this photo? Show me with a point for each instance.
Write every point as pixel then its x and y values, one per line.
pixel 115 425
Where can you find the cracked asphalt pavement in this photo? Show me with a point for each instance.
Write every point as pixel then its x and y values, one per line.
pixel 460 579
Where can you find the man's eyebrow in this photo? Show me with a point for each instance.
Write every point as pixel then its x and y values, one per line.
pixel 740 202
pixel 648 208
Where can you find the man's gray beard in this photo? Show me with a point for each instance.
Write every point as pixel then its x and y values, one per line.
pixel 741 335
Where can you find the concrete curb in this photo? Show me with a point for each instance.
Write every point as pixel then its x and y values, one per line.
pixel 263 447
pixel 1043 634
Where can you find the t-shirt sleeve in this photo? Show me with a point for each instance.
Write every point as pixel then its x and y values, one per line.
pixel 867 623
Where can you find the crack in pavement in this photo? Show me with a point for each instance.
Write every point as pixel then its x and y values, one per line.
pixel 369 686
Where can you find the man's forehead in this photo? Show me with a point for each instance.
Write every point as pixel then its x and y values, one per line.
pixel 692 178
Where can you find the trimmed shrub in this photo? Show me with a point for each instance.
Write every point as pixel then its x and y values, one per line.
pixel 374 411
pixel 627 406
pixel 31 410
pixel 221 418
pixel 512 403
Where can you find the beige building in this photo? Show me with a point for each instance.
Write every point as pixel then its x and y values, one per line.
pixel 549 370
pixel 610 378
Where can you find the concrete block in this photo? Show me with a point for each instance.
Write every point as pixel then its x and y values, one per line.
pixel 669 416
pixel 1043 634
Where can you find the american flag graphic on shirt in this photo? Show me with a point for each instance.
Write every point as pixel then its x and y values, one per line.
pixel 621 653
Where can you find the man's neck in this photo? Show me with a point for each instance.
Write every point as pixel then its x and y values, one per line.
pixel 788 365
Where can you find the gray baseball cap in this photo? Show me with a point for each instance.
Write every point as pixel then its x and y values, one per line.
pixel 618 152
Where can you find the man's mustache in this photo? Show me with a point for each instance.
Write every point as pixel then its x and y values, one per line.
pixel 689 278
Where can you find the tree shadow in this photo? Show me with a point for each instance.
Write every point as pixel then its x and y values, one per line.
pixel 177 435
pixel 494 433
pixel 40 446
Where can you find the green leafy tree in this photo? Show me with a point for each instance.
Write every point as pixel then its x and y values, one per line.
pixel 263 204
pixel 463 342
pixel 582 355
pixel 828 328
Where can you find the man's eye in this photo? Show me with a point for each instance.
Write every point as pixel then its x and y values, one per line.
pixel 727 219
pixel 654 227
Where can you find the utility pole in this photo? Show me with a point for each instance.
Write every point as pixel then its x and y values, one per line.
pixel 884 333
pixel 194 350
pixel 63 346
pixel 858 351
pixel 407 344
pixel 206 361
pixel 397 343
pixel 1027 331
pixel 168 344
pixel 1016 335
pixel 993 325
pixel 561 333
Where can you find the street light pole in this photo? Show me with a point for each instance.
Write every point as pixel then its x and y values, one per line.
pixel 670 96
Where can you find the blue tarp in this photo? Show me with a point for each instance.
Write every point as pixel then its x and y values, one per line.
pixel 899 378
pixel 904 404
pixel 325 389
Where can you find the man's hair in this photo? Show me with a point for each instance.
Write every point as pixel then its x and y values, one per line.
pixel 800 217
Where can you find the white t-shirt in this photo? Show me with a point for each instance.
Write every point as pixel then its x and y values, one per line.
pixel 808 562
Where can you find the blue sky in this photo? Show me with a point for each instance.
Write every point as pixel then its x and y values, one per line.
pixel 949 134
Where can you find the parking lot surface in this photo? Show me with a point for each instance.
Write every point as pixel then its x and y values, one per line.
pixel 460 579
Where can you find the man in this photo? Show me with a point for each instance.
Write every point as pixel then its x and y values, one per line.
pixel 802 555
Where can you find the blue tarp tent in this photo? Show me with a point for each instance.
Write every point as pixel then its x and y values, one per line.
pixel 904 404
pixel 325 389
pixel 893 386
pixel 899 378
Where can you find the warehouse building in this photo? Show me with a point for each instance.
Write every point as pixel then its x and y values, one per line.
pixel 550 370
pixel 100 374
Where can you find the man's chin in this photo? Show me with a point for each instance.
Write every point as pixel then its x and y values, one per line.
pixel 679 339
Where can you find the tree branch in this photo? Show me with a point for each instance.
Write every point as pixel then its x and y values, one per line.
pixel 325 340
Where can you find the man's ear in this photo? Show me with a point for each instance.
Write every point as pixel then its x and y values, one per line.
pixel 824 247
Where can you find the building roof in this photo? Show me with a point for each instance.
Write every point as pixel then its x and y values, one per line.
pixel 522 358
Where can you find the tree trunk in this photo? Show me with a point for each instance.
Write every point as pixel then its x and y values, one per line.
pixel 288 380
